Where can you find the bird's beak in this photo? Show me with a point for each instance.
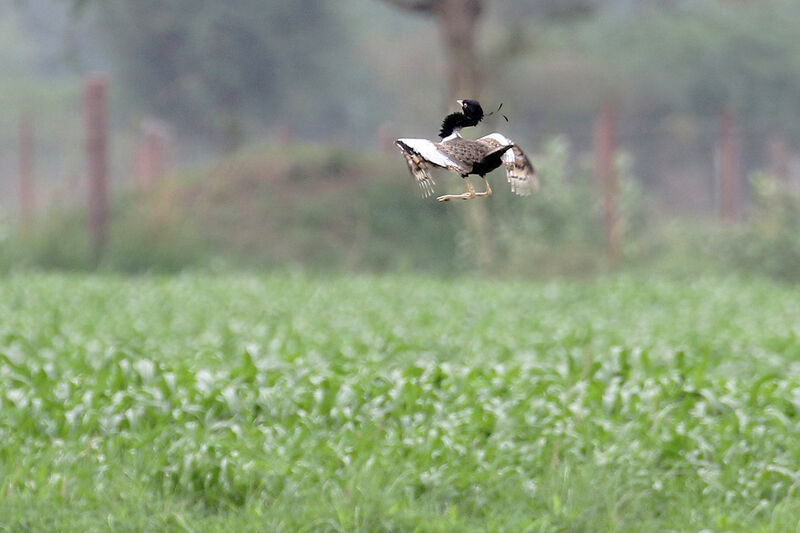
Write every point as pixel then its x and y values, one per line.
pixel 460 102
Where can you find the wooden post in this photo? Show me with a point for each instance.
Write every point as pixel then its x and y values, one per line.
pixel 285 134
pixel 606 175
pixel 386 136
pixel 97 162
pixel 778 157
pixel 27 185
pixel 730 167
pixel 151 157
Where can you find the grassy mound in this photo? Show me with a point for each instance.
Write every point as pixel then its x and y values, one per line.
pixel 320 207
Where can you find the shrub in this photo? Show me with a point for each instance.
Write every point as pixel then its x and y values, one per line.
pixel 559 229
pixel 768 242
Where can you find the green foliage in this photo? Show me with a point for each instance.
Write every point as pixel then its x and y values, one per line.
pixel 61 242
pixel 704 55
pixel 320 207
pixel 211 65
pixel 287 402
pixel 559 229
pixel 768 241
pixel 685 58
pixel 141 238
pixel 329 209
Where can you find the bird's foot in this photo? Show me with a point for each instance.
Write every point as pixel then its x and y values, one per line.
pixel 465 196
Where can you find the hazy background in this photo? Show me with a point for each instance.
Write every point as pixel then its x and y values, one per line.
pixel 276 120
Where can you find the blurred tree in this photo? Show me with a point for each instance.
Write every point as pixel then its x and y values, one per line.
pixel 458 24
pixel 554 10
pixel 706 55
pixel 210 65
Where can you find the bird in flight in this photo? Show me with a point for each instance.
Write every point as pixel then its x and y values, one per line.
pixel 466 157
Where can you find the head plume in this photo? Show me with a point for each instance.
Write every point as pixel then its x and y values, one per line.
pixel 452 122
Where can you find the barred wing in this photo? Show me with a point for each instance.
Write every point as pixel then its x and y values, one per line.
pixel 521 174
pixel 420 153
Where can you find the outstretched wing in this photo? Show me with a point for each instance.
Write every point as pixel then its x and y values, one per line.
pixel 521 174
pixel 419 153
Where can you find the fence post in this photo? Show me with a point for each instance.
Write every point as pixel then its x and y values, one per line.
pixel 605 173
pixel 97 162
pixel 151 157
pixel 778 156
pixel 285 133
pixel 730 167
pixel 386 136
pixel 27 185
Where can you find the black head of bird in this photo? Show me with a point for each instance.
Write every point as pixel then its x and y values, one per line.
pixel 473 112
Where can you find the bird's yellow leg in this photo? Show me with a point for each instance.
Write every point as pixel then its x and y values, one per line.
pixel 487 192
pixel 466 196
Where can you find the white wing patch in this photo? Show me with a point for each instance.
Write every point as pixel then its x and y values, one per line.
pixel 519 171
pixel 418 154
pixel 429 152
pixel 499 137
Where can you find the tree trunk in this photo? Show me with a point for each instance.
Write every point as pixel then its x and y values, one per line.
pixel 458 25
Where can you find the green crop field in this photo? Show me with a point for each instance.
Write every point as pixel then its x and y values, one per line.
pixel 296 403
